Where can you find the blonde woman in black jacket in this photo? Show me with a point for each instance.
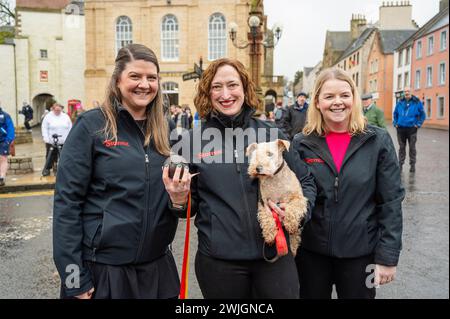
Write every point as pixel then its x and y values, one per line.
pixel 356 223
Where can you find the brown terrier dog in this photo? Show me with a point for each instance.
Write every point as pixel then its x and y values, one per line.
pixel 278 183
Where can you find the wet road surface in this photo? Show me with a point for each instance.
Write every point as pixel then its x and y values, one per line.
pixel 27 269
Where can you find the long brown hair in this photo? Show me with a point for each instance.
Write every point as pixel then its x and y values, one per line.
pixel 157 127
pixel 315 123
pixel 202 99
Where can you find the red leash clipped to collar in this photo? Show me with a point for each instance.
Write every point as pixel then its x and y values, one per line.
pixel 185 267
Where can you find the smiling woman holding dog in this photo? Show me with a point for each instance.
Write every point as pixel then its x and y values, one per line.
pixel 229 262
pixel 356 223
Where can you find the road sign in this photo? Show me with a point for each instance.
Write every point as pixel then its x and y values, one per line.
pixel 198 69
pixel 190 76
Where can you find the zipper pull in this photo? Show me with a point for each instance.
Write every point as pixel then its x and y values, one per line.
pixel 146 159
pixel 238 167
pixel 336 185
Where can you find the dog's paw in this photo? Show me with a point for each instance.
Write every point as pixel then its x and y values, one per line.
pixel 268 226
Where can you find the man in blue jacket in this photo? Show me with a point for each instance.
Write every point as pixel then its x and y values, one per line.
pixel 408 117
pixel 6 138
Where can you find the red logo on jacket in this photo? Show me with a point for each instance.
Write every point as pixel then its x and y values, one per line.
pixel 313 160
pixel 208 154
pixel 110 143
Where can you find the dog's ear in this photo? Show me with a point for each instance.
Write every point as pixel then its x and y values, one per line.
pixel 283 145
pixel 250 149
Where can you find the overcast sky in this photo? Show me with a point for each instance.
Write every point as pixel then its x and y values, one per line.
pixel 305 24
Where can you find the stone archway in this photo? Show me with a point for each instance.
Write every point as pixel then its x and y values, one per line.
pixel 40 103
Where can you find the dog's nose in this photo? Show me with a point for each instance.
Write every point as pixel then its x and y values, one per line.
pixel 259 169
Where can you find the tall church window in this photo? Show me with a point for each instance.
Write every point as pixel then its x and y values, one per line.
pixel 124 32
pixel 170 38
pixel 217 37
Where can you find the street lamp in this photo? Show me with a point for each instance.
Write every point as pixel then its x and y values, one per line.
pixel 256 40
pixel 254 23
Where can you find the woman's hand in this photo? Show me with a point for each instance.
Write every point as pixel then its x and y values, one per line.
pixel 279 209
pixel 86 295
pixel 178 188
pixel 384 274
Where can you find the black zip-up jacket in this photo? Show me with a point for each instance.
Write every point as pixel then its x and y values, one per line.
pixel 226 198
pixel 110 203
pixel 294 119
pixel 358 211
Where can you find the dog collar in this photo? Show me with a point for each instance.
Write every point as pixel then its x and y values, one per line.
pixel 279 169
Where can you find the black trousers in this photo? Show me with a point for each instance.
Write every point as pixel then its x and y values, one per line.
pixel 27 124
pixel 260 279
pixel 407 134
pixel 317 274
pixel 54 156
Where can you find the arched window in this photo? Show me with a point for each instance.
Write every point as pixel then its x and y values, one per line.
pixel 170 91
pixel 169 38
pixel 217 36
pixel 124 32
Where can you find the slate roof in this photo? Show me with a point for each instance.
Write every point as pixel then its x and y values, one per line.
pixel 391 39
pixel 42 4
pixel 339 40
pixel 358 43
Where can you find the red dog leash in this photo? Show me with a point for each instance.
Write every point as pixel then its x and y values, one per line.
pixel 280 239
pixel 185 267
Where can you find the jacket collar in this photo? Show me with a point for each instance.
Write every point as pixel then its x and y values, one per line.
pixel 412 99
pixel 241 120
pixel 318 144
pixel 299 108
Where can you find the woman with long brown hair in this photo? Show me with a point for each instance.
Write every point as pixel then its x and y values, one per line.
pixel 113 218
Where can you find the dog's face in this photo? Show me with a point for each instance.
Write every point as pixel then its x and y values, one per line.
pixel 266 158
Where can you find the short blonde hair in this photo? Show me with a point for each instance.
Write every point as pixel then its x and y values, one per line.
pixel 315 123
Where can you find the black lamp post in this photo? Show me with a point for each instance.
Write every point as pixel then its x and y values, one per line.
pixel 256 41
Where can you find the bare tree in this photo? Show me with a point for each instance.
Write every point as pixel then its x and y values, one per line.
pixel 7 14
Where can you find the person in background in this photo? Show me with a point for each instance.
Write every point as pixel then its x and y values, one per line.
pixel 196 119
pixel 7 136
pixel 408 118
pixel 279 116
pixel 180 119
pixel 55 122
pixel 373 114
pixel 190 119
pixel 355 230
pixel 295 116
pixel 27 112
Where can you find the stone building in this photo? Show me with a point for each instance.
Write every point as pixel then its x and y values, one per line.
pixel 355 58
pixel 429 66
pixel 45 60
pixel 381 66
pixel 180 32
